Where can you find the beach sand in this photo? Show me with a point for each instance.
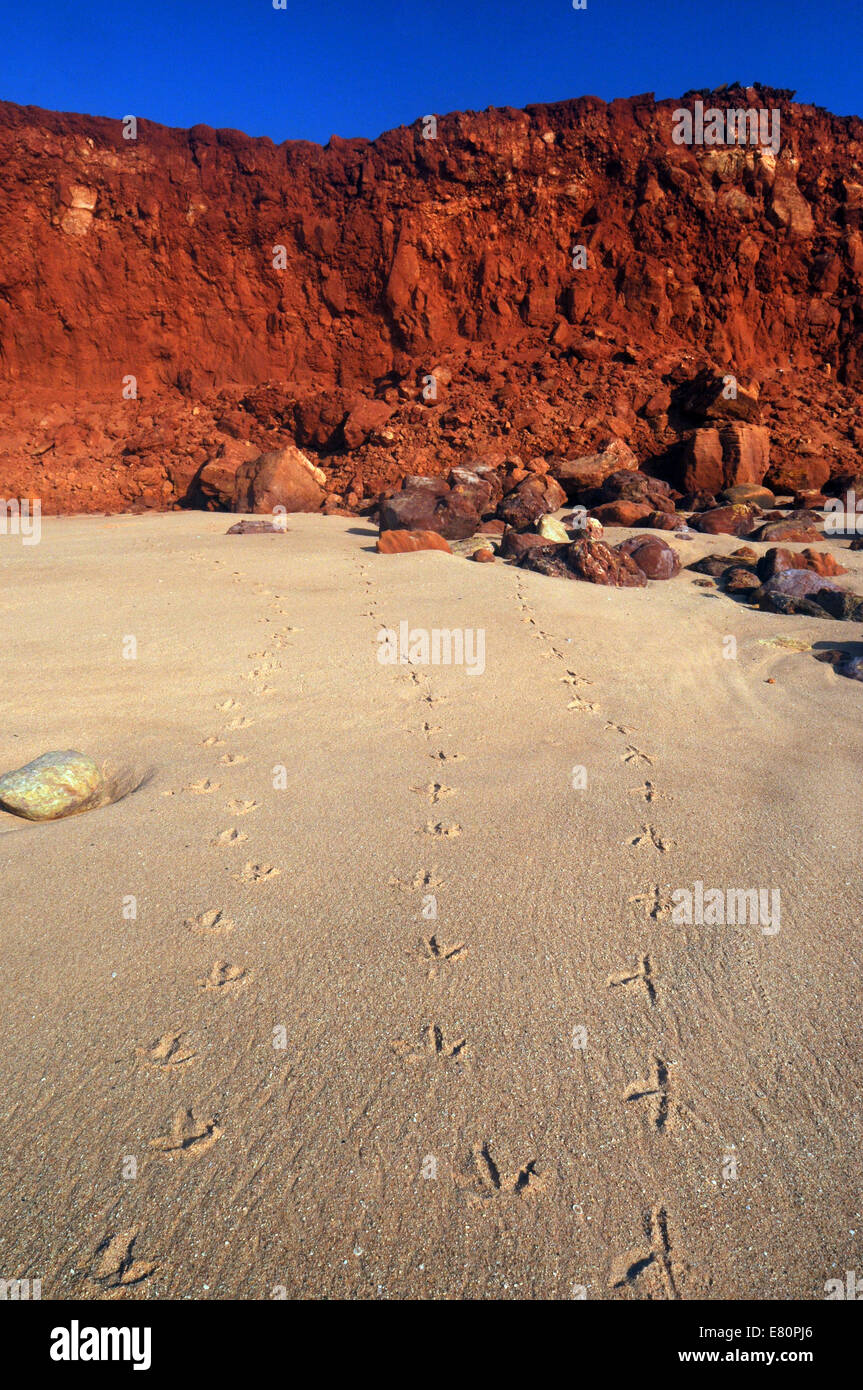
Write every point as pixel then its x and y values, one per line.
pixel 546 1090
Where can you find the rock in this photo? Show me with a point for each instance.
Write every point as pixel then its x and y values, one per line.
pixel 697 502
pixel 483 556
pixel 516 544
pixel 714 459
pixel 257 528
pixel 591 470
pixel 749 493
pixel 622 513
pixel 52 786
pixel 468 548
pixel 800 583
pixel 635 486
pixel 726 521
pixel 817 561
pixel 800 473
pixel 587 529
pixel 851 666
pixel 598 563
pixel 857 543
pixel 217 479
pixel 282 478
pixel 553 530
pixel 654 557
pixel 809 501
pixel 544 562
pixel 495 527
pixel 745 554
pixel 532 499
pixel 419 482
pixel 711 397
pixel 789 605
pixel 799 591
pixel 714 565
pixel 739 580
pixel 401 542
pixel 789 530
pixel 848 608
pixel 665 521
pixel 426 508
pixel 363 420
pixel 484 490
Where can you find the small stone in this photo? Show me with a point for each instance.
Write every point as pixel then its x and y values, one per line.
pixel 484 556
pixel 553 530
pixel 52 786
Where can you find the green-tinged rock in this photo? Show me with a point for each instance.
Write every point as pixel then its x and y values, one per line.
pixel 553 530
pixel 54 785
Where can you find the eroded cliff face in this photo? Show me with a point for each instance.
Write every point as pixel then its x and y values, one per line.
pixel 294 293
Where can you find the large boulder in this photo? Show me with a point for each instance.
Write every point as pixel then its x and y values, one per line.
pixel 282 478
pixel 590 470
pixel 799 591
pixel 217 479
pixel 716 458
pixel 363 420
pixel 802 472
pixel 635 486
pixel 726 521
pixel 424 506
pixel 711 397
pixel 516 544
pixel 654 557
pixel 534 497
pixel 622 513
pixel 802 526
pixel 601 564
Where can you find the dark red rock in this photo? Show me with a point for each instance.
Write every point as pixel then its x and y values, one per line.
pixel 600 564
pixel 425 509
pixel 789 530
pixel 740 581
pixel 590 470
pixel 726 521
pixel 635 486
pixel 516 544
pixel 665 521
pixel 622 513
pixel 697 502
pixel 655 557
pixel 483 557
pixel 534 497
pixel 542 562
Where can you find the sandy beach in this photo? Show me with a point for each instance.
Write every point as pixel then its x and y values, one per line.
pixel 358 995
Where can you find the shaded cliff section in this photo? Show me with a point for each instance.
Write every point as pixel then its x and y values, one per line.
pixel 305 294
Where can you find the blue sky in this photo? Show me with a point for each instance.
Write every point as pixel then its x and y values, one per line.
pixel 320 67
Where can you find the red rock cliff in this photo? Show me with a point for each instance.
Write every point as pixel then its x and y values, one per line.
pixel 154 258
